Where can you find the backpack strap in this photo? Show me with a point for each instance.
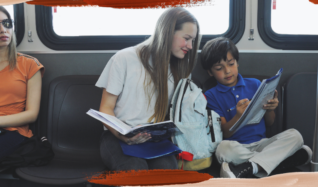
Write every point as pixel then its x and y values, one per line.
pixel 210 123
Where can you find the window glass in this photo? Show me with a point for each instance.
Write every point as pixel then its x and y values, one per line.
pixel 10 10
pixel 98 21
pixel 294 17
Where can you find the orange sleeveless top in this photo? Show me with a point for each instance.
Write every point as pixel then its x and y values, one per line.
pixel 13 89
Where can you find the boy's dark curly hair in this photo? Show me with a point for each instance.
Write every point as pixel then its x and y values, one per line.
pixel 215 50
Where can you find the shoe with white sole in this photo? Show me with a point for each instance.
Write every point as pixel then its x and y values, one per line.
pixel 229 170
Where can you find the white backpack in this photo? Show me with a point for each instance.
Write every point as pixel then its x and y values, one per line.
pixel 201 128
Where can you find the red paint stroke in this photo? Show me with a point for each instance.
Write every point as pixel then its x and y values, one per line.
pixel 274 4
pixel 133 4
pixel 314 1
pixel 149 177
pixel 61 3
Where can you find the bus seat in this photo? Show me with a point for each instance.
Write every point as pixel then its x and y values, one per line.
pixel 75 136
pixel 299 104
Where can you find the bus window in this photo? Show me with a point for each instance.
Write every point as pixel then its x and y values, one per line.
pixel 294 17
pixel 288 24
pixel 98 28
pixel 17 13
pixel 9 9
pixel 95 21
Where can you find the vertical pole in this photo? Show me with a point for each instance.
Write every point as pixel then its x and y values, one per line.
pixel 314 160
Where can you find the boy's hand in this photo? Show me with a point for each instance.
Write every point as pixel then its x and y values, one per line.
pixel 273 103
pixel 241 106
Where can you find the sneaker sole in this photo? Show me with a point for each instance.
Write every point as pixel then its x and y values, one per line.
pixel 226 171
pixel 306 148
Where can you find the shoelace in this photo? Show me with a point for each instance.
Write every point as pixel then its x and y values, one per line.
pixel 243 171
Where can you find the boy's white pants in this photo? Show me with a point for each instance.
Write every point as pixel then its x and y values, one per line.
pixel 267 153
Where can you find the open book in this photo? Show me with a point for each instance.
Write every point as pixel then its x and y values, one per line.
pixel 158 131
pixel 254 111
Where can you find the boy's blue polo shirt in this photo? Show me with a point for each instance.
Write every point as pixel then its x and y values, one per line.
pixel 221 98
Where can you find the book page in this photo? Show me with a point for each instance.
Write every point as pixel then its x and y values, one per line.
pixel 267 94
pixel 112 121
pixel 149 124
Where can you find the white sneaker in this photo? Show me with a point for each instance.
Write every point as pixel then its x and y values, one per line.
pixel 229 170
pixel 226 171
pixel 309 151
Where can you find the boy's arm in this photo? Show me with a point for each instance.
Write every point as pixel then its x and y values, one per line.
pixel 226 125
pixel 271 105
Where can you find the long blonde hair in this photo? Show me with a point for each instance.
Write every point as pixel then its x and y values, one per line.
pixel 158 48
pixel 12 50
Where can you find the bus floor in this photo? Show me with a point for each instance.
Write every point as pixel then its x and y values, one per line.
pixel 25 183
pixel 214 171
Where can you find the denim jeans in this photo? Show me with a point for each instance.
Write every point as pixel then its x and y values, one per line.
pixel 115 160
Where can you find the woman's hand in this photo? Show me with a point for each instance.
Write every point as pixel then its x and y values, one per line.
pixel 107 106
pixel 137 139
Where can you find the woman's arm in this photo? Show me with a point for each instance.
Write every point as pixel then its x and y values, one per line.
pixel 32 105
pixel 107 106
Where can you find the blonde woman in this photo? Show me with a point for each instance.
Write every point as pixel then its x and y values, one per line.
pixel 20 89
pixel 138 84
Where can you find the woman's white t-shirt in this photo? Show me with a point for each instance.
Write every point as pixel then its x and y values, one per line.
pixel 124 76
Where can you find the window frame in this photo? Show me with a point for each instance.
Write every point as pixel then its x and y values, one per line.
pixel 281 41
pixel 19 25
pixel 50 39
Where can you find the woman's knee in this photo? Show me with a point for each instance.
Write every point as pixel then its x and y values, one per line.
pixel 131 163
pixel 165 162
pixel 114 158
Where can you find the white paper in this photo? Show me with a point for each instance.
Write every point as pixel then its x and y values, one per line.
pixel 117 124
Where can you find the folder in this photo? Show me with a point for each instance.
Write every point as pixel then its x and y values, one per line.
pixel 150 150
pixel 254 111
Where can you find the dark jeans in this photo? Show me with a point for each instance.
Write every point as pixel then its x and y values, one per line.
pixel 9 141
pixel 115 160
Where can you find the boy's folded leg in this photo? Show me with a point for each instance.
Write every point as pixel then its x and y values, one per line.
pixel 274 150
pixel 300 157
pixel 233 152
pixel 244 170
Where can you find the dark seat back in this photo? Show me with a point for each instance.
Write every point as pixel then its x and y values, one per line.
pixel 74 134
pixel 299 105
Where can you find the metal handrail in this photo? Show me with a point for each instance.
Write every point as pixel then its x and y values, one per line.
pixel 314 160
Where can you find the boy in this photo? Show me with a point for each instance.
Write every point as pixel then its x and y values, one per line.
pixel 246 152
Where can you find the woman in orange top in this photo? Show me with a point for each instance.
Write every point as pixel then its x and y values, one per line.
pixel 20 89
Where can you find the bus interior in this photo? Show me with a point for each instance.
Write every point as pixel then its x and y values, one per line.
pixel 75 43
